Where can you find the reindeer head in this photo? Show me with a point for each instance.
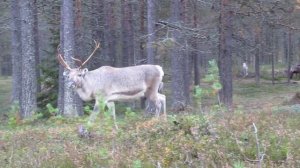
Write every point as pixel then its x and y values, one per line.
pixel 75 76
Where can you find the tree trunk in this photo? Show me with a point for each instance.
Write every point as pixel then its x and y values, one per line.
pixel 177 62
pixel 272 50
pixel 289 49
pixel 127 34
pixel 70 97
pixel 142 30
pixel 29 80
pixel 188 56
pixel 273 66
pixel 98 28
pixel 79 43
pixel 131 34
pixel 285 48
pixel 225 53
pixel 78 30
pixel 287 54
pixel 60 97
pixel 196 69
pixel 16 52
pixel 110 40
pixel 135 8
pixel 36 41
pixel 257 55
pixel 151 19
pixel 125 49
pixel 195 47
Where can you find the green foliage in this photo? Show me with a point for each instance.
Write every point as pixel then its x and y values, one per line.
pixel 33 118
pixel 214 85
pixel 279 73
pixel 64 162
pixel 49 74
pixel 52 111
pixel 212 76
pixel 198 92
pixel 104 153
pixel 212 139
pixel 137 164
pixel 278 149
pixel 164 44
pixel 291 108
pixel 238 164
pixel 49 82
pixel 107 122
pixel 13 116
pixel 129 114
pixel 12 122
pixel 87 109
pixel 5 94
pixel 182 141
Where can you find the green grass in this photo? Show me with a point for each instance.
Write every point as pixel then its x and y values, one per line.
pixel 5 94
pixel 185 140
pixel 265 96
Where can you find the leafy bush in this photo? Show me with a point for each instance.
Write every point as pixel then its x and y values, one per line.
pixel 213 82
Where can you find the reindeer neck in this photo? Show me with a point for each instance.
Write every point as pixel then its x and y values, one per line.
pixel 85 92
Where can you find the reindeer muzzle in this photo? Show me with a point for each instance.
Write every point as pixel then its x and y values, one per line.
pixel 70 84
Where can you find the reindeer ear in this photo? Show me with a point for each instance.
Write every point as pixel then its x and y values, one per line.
pixel 84 71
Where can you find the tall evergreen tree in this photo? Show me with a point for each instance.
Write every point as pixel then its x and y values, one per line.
pixel 29 77
pixel 151 19
pixel 127 33
pixel 177 61
pixel 70 107
pixel 225 52
pixel 16 51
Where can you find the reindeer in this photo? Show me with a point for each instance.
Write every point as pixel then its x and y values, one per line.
pixel 116 84
pixel 294 70
pixel 245 69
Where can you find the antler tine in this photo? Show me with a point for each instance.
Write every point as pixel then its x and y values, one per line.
pixel 78 60
pixel 58 48
pixel 62 61
pixel 97 45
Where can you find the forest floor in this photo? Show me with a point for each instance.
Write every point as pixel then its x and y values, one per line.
pixel 250 97
pixel 5 93
pixel 265 121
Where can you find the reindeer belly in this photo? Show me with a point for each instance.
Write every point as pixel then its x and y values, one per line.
pixel 127 95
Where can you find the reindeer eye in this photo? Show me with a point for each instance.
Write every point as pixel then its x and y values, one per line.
pixel 79 75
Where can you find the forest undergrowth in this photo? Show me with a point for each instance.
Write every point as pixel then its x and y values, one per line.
pixel 262 130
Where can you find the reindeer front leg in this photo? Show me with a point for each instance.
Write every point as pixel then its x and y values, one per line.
pixel 111 108
pixel 94 113
pixel 85 132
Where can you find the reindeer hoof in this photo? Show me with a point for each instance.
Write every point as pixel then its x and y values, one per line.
pixel 83 132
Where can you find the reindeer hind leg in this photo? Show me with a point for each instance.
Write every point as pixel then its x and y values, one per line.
pixel 162 100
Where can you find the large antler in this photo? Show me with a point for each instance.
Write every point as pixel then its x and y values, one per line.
pixel 97 45
pixel 61 59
